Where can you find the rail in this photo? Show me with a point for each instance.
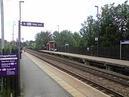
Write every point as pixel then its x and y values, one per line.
pixel 80 71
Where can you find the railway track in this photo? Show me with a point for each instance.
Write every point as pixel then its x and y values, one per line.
pixel 106 74
pixel 112 84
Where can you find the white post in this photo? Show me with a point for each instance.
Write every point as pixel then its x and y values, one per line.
pixel 11 95
pixel 120 49
pixel 2 24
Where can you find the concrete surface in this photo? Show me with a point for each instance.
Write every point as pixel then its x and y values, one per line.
pixel 36 83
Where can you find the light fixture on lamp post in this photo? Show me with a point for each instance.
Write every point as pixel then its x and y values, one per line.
pixel 97 15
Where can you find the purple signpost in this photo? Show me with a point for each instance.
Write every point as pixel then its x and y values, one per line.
pixel 8 65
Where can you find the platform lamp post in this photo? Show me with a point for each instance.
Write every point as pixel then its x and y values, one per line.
pixel 2 36
pixel 19 46
pixel 2 24
pixel 19 29
pixel 97 37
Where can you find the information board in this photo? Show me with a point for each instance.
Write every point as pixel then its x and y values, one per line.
pixel 8 65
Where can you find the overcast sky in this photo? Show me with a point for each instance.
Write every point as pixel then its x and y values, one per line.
pixel 68 14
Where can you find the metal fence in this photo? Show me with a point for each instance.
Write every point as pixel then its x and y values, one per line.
pixel 109 52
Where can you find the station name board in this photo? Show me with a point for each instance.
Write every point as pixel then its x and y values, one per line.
pixel 32 24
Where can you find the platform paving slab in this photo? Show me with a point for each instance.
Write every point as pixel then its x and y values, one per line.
pixel 36 83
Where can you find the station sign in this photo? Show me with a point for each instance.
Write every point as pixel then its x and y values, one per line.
pixel 32 24
pixel 8 65
pixel 125 42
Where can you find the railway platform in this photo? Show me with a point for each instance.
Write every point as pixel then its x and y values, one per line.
pixel 36 83
pixel 40 79
pixel 115 65
pixel 115 62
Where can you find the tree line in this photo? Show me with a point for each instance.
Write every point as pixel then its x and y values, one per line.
pixel 111 26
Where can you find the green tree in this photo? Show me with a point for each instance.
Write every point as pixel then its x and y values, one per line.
pixel 115 21
pixel 88 32
pixel 63 37
pixel 76 39
pixel 57 38
pixel 108 33
pixel 42 39
pixel 111 26
pixel 30 44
